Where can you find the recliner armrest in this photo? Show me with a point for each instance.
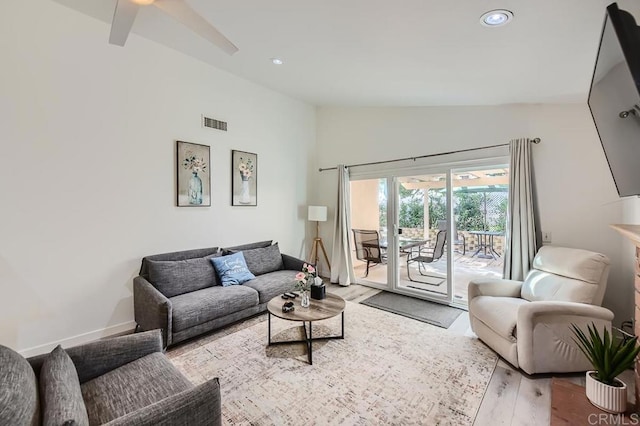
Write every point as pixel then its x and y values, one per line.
pixel 493 287
pixel 535 311
pixel 152 309
pixel 197 406
pixel 545 338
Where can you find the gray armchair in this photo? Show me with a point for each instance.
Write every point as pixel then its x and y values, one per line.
pixel 124 380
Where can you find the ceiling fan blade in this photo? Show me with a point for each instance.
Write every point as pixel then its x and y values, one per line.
pixel 182 13
pixel 123 18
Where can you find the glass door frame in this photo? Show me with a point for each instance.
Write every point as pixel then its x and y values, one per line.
pixel 393 203
pixel 393 274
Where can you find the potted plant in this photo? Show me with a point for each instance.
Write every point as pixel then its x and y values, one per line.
pixel 609 358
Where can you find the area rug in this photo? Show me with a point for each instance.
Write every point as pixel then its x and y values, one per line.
pixel 421 310
pixel 387 370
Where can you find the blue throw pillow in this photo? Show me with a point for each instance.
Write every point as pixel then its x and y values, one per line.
pixel 232 269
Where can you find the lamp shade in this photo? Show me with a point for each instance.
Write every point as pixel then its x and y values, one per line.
pixel 318 213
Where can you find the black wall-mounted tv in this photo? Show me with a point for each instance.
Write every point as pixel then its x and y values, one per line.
pixel 614 98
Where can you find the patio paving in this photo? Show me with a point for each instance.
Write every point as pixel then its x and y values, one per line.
pixel 465 268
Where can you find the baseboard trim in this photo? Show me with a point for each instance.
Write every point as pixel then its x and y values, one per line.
pixel 114 330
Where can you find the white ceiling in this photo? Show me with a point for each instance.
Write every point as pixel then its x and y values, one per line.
pixel 392 53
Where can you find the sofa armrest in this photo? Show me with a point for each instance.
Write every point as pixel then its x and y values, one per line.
pixel 197 406
pixel 545 338
pixel 152 309
pixel 493 287
pixel 292 263
pixel 97 358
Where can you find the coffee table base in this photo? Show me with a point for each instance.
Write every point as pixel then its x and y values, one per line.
pixel 308 340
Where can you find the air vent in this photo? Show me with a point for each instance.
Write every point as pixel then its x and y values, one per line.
pixel 214 124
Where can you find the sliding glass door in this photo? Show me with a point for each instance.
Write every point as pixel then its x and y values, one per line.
pixel 422 256
pixel 480 201
pixel 426 232
pixel 369 199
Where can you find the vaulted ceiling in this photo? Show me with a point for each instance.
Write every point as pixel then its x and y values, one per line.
pixel 392 53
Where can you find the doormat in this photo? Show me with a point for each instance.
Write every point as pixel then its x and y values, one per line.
pixel 421 310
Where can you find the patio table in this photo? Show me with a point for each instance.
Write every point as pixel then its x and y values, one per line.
pixel 405 245
pixel 485 244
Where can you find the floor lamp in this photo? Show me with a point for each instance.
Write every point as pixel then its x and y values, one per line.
pixel 318 214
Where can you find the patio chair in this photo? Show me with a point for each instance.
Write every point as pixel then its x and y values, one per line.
pixel 459 239
pixel 426 255
pixel 368 248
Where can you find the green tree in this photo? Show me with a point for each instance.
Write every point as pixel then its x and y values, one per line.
pixel 437 207
pixel 500 223
pixel 411 213
pixel 382 202
pixel 468 211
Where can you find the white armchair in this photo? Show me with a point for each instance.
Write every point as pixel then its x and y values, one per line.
pixel 529 323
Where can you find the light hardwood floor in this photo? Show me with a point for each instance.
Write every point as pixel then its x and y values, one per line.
pixel 512 398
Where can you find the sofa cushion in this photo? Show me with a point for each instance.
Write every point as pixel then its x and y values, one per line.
pixel 62 402
pixel 191 309
pixel 498 313
pixel 250 246
pixel 273 284
pixel 19 390
pixel 174 277
pixel 176 255
pixel 133 386
pixel 263 260
pixel 232 269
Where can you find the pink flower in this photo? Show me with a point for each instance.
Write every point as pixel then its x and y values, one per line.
pixel 311 269
pixel 300 276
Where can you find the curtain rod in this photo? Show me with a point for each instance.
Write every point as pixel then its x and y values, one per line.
pixel 535 140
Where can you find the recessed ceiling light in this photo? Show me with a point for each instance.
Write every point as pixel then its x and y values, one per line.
pixel 277 61
pixel 496 18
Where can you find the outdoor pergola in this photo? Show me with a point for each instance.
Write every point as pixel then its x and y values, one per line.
pixel 471 181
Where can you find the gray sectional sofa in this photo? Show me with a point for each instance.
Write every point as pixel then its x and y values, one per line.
pixel 181 294
pixel 100 383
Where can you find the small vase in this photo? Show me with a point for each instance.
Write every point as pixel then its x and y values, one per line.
pixel 245 198
pixel 195 189
pixel 304 299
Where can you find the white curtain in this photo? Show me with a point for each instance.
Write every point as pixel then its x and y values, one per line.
pixel 342 265
pixel 521 223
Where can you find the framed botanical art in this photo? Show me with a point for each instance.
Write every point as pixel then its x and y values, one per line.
pixel 193 175
pixel 244 178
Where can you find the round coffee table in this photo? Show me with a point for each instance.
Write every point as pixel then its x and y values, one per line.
pixel 318 310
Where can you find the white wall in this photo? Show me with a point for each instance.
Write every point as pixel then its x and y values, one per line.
pixel 576 194
pixel 87 169
pixel 364 194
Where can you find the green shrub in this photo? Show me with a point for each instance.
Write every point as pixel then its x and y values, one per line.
pixel 608 357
